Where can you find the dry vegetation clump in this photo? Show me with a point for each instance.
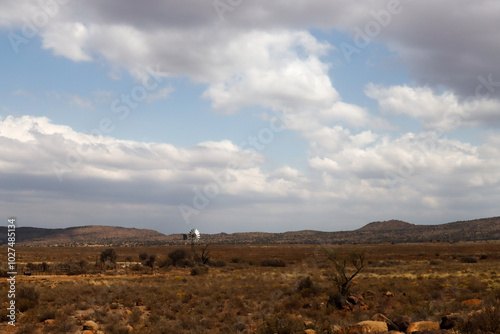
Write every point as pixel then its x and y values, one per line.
pixel 280 323
pixel 275 262
pixel 485 320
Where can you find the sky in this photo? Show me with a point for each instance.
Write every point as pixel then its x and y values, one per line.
pixel 235 115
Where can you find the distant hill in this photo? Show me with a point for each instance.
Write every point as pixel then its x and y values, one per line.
pixel 387 225
pixel 391 231
pixel 83 235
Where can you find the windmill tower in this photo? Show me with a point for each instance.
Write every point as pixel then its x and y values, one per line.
pixel 194 237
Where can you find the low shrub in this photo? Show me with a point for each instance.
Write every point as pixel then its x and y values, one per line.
pixel 177 256
pixel 305 283
pixel 199 270
pixel 273 263
pixel 280 323
pixel 218 263
pixel 237 260
pixel 27 297
pixel 484 321
pixel 165 263
pixel 468 259
pixel 47 313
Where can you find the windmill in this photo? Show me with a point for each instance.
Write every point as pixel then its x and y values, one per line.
pixel 194 237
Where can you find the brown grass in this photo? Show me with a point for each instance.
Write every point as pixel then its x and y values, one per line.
pixel 426 281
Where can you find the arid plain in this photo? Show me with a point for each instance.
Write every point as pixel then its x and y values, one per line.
pixel 253 288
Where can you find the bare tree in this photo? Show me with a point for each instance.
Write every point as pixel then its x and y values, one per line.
pixel 345 268
pixel 205 257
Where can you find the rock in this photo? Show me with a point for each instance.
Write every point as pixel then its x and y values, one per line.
pixel 421 326
pixel 49 322
pixel 309 331
pixel 472 302
pixel 391 325
pixel 451 321
pixel 368 326
pixel 90 325
pixel 87 332
pixel 129 328
pixel 434 331
pixel 388 294
pixel 402 322
pixel 355 299
pixel 308 324
pixel 336 329
pixel 338 301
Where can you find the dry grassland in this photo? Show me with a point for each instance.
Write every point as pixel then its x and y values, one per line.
pixel 238 294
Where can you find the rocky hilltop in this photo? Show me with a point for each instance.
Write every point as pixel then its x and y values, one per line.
pixel 391 231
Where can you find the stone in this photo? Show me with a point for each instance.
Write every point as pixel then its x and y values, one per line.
pixel 421 326
pixel 338 301
pixel 308 323
pixel 336 328
pixel 402 322
pixel 354 299
pixel 368 326
pixel 309 331
pixel 49 322
pixel 472 302
pixel 90 325
pixel 390 325
pixel 434 331
pixel 451 321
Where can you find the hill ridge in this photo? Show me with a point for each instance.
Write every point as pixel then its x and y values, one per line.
pixel 387 225
pixel 390 231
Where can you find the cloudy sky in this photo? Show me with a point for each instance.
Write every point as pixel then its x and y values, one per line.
pixel 237 115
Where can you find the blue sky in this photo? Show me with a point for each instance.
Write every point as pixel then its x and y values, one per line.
pixel 265 117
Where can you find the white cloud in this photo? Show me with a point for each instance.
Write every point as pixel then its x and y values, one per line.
pixel 189 38
pixel 22 92
pixel 436 112
pixel 81 102
pixel 68 40
pixel 426 171
pixel 161 94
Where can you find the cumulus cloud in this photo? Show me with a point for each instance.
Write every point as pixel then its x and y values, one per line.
pixel 455 47
pixel 77 167
pixel 374 173
pixel 436 112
